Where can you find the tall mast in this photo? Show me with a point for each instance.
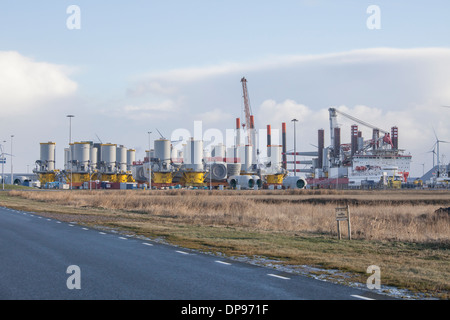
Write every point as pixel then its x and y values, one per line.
pixel 248 123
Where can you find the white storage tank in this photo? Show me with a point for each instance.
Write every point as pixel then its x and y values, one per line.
pixel 275 156
pixel 81 155
pixel 194 155
pixel 173 154
pixel 66 158
pixel 47 156
pixel 121 158
pixel 218 151
pixel 206 154
pixel 232 155
pixel 131 158
pixel 162 150
pixel 186 154
pixel 248 158
pixel 94 157
pixel 108 154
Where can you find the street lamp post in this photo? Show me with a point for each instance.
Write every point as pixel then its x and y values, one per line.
pixel 70 116
pixel 295 149
pixel 12 175
pixel 149 163
pixel 3 159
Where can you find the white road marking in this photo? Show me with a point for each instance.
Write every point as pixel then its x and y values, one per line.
pixel 223 262
pixel 102 233
pixel 70 225
pixel 122 238
pixel 277 276
pixel 58 221
pixel 85 228
pixel 49 219
pixel 147 244
pixel 361 297
pixel 182 252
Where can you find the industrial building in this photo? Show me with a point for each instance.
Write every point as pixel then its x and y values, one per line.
pixel 372 162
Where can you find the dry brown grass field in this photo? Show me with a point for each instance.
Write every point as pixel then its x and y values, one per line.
pixel 402 231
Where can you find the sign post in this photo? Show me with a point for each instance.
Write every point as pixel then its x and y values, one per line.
pixel 343 214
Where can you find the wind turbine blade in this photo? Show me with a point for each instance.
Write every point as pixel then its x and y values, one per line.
pixel 434 131
pixel 433 147
pixel 162 137
pixel 98 138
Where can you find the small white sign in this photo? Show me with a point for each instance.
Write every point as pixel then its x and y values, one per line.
pixel 342 214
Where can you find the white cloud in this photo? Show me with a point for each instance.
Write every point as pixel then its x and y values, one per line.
pixel 214 116
pixel 28 86
pixel 382 86
pixel 148 110
pixel 274 112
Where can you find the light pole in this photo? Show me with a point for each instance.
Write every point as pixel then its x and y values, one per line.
pixel 295 149
pixel 210 173
pixel 12 178
pixel 3 159
pixel 70 116
pixel 149 163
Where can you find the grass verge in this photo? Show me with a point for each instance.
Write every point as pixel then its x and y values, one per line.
pixel 201 221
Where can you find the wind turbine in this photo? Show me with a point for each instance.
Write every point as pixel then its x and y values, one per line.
pixel 434 152
pixel 437 146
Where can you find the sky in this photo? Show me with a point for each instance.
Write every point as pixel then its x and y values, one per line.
pixel 126 68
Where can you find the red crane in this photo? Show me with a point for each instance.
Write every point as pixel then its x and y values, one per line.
pixel 248 115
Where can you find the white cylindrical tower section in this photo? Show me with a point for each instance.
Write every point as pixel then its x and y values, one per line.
pixel 47 156
pixel 218 152
pixel 108 154
pixel 248 157
pixel 121 157
pixel 162 150
pixel 186 154
pixel 94 158
pixel 275 156
pixel 206 154
pixel 194 155
pixel 81 155
pixel 131 158
pixel 66 158
pixel 244 156
pixel 232 155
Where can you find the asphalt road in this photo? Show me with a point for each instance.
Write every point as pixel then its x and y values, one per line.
pixel 36 252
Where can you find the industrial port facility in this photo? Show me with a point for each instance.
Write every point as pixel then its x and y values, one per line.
pixel 363 162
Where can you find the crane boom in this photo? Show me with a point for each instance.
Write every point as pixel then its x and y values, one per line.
pixel 356 120
pixel 246 109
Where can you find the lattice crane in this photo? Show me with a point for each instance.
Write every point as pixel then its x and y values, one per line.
pixel 248 112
